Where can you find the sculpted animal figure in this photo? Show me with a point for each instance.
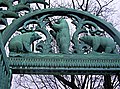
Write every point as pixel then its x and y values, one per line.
pixel 22 43
pixel 100 44
pixel 32 1
pixel 62 36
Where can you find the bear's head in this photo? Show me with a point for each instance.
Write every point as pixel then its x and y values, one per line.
pixel 60 20
pixel 60 24
pixel 35 36
pixel 86 39
pixel 64 24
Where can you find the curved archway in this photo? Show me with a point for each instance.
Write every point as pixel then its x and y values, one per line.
pixel 58 12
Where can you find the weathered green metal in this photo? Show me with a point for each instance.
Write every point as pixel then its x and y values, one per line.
pixel 22 43
pixel 100 44
pixel 21 5
pixel 60 11
pixel 33 1
pixel 68 60
pixel 4 67
pixel 44 46
pixel 65 64
pixel 62 36
pixel 68 63
pixel 6 14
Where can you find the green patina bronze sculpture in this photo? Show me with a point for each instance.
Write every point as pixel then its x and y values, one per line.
pixel 6 3
pixel 6 14
pixel 100 44
pixel 62 35
pixel 19 7
pixel 22 4
pixel 21 43
pixel 44 46
pixel 31 1
pixel 47 61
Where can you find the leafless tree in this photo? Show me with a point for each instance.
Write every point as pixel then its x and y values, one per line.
pixel 99 8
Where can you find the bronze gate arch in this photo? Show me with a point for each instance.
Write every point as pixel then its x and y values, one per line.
pixel 61 11
pixel 62 64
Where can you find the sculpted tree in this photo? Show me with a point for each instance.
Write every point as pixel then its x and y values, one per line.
pixel 96 7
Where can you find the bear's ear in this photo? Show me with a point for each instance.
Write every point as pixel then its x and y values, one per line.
pixel 34 34
pixel 58 21
pixel 82 38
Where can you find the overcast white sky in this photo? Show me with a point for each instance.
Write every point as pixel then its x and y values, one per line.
pixel 116 16
pixel 115 4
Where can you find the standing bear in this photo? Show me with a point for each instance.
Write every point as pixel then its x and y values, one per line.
pixel 100 44
pixel 22 43
pixel 62 35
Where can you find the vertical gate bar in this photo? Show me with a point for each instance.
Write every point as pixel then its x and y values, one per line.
pixel 4 67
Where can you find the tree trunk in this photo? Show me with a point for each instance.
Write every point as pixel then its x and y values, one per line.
pixel 107 82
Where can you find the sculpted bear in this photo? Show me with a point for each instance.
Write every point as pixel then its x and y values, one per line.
pixel 100 44
pixel 62 35
pixel 22 43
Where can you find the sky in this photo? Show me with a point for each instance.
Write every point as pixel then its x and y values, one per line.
pixel 116 16
pixel 115 4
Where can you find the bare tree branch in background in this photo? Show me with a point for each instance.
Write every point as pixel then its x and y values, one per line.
pixel 73 81
pixel 83 84
pixel 107 82
pixel 70 84
pixel 73 4
pixel 33 80
pixel 102 6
